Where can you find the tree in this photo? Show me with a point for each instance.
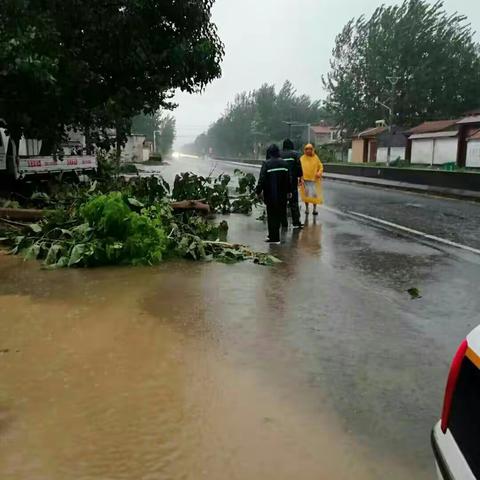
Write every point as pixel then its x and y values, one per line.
pixel 95 64
pixel 258 117
pixel 164 125
pixel 431 55
pixel 167 132
pixel 146 125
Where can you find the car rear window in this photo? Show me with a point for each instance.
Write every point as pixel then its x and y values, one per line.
pixel 465 415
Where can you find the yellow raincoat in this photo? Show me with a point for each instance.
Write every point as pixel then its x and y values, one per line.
pixel 311 189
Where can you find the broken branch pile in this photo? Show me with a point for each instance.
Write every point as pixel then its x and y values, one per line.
pixel 135 222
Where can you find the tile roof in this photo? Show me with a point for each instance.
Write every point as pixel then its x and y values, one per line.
pixel 319 129
pixel 372 132
pixel 436 126
pixel 467 120
pixel 446 134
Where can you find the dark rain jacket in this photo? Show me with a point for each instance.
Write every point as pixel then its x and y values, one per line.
pixel 292 158
pixel 274 182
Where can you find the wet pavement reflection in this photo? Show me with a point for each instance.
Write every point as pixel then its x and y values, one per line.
pixel 320 367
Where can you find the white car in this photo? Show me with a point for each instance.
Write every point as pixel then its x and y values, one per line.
pixel 456 438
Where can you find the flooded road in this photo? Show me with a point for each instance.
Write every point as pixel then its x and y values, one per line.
pixel 321 367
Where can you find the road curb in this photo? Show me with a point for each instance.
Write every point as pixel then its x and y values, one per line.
pixel 412 187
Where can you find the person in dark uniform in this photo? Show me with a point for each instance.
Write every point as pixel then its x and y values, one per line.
pixel 275 185
pixel 292 158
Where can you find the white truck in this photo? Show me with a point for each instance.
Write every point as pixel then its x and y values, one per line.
pixel 26 159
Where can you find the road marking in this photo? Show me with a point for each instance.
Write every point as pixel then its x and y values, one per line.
pixel 416 232
pixel 240 164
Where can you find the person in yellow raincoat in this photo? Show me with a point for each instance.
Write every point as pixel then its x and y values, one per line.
pixel 311 187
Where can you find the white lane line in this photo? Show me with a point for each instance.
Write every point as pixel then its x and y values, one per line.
pixel 417 233
pixel 240 164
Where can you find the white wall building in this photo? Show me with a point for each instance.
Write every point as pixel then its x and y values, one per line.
pixel 322 134
pixel 396 153
pixel 473 151
pixel 133 150
pixel 435 148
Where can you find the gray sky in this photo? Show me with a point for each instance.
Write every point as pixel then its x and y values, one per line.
pixel 262 37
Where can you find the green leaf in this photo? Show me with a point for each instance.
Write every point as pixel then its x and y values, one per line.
pixel 32 252
pixel 40 196
pixel 77 254
pixel 82 229
pixel 135 203
pixel 93 187
pixel 62 262
pixel 53 254
pixel 35 227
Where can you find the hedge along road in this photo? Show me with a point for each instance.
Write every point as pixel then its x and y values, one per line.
pixel 320 367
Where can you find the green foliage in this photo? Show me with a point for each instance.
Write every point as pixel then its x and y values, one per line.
pixel 414 293
pixel 98 64
pixel 5 203
pixel 155 159
pixel 164 125
pixel 103 231
pixel 432 53
pixel 166 136
pixel 107 164
pixel 128 168
pixel 326 153
pixel 115 222
pixel 247 198
pixel 214 191
pixel 257 118
pixel 246 182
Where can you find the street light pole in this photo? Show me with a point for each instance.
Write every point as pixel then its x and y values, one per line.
pixel 393 81
pixel 155 132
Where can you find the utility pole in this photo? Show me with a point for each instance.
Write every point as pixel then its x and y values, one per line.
pixel 393 81
pixel 155 133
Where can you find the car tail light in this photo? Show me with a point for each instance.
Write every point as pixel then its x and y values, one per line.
pixel 452 383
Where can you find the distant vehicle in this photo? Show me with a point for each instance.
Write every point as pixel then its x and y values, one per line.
pixel 17 162
pixel 456 438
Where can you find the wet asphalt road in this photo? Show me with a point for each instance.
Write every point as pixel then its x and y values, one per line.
pixel 321 367
pixel 382 358
pixel 451 219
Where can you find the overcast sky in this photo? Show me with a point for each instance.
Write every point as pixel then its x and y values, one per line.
pixel 264 37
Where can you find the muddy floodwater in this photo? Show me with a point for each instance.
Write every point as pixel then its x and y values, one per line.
pixel 118 374
pixel 318 368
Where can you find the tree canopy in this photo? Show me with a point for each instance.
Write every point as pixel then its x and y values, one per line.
pixel 97 63
pixel 428 56
pixel 159 122
pixel 259 117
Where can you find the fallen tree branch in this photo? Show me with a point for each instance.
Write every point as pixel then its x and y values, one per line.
pixel 196 205
pixel 15 225
pixel 35 215
pixel 27 214
pixel 224 244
